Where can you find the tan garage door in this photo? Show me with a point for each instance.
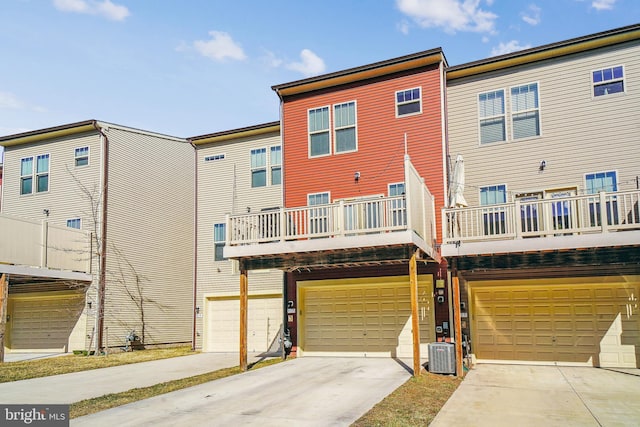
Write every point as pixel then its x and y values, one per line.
pixel 222 323
pixel 42 323
pixel 362 317
pixel 594 324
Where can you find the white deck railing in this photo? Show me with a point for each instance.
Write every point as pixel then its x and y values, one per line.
pixel 39 244
pixel 587 214
pixel 411 211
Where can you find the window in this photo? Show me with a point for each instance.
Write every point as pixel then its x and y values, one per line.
pixel 318 217
pixel 492 120
pixel 275 159
pixel 26 175
pixel 219 239
pixel 494 218
pixel 74 223
pixel 81 156
pixel 525 111
pixel 398 207
pixel 345 127
pixel 408 102
pixel 41 174
pixel 608 81
pixel 595 183
pixel 259 167
pixel 319 132
pixel 214 158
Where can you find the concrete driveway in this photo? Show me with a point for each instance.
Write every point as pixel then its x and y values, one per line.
pixel 525 395
pixel 303 392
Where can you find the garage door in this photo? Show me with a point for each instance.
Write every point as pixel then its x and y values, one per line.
pixel 591 324
pixel 42 323
pixel 222 323
pixel 362 317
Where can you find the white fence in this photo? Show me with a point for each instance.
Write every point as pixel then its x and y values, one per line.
pixel 40 244
pixel 593 213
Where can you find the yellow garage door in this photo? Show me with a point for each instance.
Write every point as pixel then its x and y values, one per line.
pixel 593 324
pixel 222 323
pixel 42 323
pixel 362 317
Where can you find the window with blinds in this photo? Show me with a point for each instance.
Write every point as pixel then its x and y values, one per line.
pixel 525 111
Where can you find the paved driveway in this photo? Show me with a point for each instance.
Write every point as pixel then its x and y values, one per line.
pixel 519 395
pixel 307 391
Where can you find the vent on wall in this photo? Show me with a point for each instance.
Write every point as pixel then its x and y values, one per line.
pixel 442 358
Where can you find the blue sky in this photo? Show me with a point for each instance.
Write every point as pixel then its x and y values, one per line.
pixel 192 67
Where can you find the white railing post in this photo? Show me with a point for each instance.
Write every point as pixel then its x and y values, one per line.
pixel 341 215
pixel 227 220
pixel 517 219
pixel 45 244
pixel 604 223
pixel 283 224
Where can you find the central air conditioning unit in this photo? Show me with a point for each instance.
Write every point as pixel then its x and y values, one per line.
pixel 442 358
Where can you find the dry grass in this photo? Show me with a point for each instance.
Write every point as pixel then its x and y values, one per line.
pixel 15 371
pixel 90 406
pixel 415 403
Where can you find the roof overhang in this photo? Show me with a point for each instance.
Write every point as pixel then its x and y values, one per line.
pixel 550 51
pixel 353 75
pixel 227 135
pixel 48 133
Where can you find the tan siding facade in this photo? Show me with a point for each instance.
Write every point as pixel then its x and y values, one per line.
pixel 579 133
pixel 224 187
pixel 150 237
pixel 70 191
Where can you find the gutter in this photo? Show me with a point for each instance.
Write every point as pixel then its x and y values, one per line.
pixel 195 247
pixel 102 276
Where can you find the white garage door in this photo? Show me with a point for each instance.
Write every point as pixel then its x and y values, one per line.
pixel 363 317
pixel 222 323
pixel 42 323
pixel 591 324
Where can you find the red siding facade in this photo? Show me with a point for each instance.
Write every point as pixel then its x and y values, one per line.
pixel 380 139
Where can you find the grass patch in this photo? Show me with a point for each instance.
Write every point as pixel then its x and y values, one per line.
pixel 15 371
pixel 415 403
pixel 90 406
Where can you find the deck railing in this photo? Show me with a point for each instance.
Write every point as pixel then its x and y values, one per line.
pixel 593 213
pixel 413 210
pixel 39 244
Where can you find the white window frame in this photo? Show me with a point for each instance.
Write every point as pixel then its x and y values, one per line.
pixel 215 157
pixel 260 167
pixel 398 104
pixel 336 128
pixel 37 174
pixel 512 112
pixel 84 156
pixel 607 95
pixel 219 243
pixel 272 166
pixel 27 176
pixel 316 132
pixel 503 115
pixel 71 220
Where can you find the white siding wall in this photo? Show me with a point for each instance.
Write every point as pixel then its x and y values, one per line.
pixel 150 237
pixel 579 134
pixel 224 187
pixel 65 198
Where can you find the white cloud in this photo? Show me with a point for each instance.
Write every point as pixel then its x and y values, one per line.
pixel 508 47
pixel 451 15
pixel 220 47
pixel 403 27
pixel 105 8
pixel 271 60
pixel 603 4
pixel 10 102
pixel 310 65
pixel 532 15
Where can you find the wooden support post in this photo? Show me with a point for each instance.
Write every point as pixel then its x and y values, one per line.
pixel 456 322
pixel 244 305
pixel 415 320
pixel 4 296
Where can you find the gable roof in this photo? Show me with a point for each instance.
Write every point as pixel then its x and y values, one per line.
pixel 235 133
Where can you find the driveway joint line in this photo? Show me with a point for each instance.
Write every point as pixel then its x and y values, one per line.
pixel 579 396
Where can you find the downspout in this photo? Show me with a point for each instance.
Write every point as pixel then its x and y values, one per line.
pixel 285 283
pixel 102 273
pixel 195 246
